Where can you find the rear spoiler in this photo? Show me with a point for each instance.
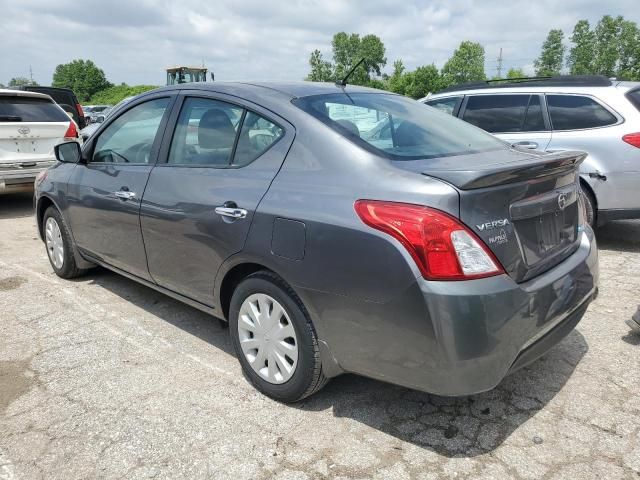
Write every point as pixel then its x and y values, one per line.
pixel 535 167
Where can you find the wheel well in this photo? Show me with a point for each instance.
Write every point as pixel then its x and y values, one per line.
pixel 588 188
pixel 232 279
pixel 43 204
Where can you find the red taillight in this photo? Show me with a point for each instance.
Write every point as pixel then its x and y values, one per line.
pixel 72 132
pixel 79 110
pixel 632 139
pixel 442 247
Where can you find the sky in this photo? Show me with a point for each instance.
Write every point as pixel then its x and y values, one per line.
pixel 133 41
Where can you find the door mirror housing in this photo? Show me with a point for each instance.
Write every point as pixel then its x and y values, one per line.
pixel 68 152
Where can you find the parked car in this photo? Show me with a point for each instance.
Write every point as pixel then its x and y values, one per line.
pixel 87 131
pixel 589 113
pixel 31 124
pixel 63 97
pixel 92 112
pixel 440 258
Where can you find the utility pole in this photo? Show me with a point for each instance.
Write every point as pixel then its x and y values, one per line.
pixel 499 68
pixel 31 74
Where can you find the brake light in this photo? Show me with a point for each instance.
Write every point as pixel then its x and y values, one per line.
pixel 442 247
pixel 72 132
pixel 79 110
pixel 632 139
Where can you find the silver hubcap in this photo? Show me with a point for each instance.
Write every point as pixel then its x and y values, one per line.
pixel 267 338
pixel 55 247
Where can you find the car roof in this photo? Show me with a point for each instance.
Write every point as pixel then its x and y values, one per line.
pixel 289 89
pixel 5 92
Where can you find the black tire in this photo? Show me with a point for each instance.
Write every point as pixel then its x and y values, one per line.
pixel 69 269
pixel 308 376
pixel 591 212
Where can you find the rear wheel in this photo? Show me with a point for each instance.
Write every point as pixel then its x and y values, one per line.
pixel 59 245
pixel 590 205
pixel 274 339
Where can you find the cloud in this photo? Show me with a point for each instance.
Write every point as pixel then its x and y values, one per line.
pixel 133 41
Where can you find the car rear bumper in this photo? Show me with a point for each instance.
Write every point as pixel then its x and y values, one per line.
pixel 21 179
pixel 460 338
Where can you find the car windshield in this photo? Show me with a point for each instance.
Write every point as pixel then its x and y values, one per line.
pixel 397 127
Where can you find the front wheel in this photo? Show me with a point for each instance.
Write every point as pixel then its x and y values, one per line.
pixel 274 339
pixel 59 245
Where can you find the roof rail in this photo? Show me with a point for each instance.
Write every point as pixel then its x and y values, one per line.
pixel 557 81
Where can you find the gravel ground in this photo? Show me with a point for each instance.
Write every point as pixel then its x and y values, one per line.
pixel 104 378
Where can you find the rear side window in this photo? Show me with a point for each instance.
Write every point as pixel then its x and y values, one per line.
pixel 575 112
pixel 446 105
pixel 505 113
pixel 30 109
pixel 207 134
pixel 634 98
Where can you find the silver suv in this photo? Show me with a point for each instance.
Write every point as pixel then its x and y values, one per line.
pixel 589 113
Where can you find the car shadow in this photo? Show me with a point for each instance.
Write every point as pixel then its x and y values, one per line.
pixel 621 235
pixel 16 205
pixel 464 426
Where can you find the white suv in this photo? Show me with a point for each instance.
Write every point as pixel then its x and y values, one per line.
pixel 31 124
pixel 589 113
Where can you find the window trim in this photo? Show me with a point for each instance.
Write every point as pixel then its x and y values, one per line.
pixel 543 108
pixel 163 156
pixel 619 118
pixel 155 146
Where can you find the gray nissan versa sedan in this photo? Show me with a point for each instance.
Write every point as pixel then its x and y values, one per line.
pixel 337 229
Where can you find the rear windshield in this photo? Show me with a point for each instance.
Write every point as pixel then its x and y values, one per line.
pixel 397 127
pixel 30 109
pixel 634 97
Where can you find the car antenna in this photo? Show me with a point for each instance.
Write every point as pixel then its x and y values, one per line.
pixel 343 82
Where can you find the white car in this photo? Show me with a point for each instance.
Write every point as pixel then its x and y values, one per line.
pixel 31 124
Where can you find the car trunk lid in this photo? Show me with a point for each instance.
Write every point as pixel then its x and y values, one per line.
pixel 24 143
pixel 523 205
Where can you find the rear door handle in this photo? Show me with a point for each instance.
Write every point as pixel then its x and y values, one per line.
pixel 124 194
pixel 526 144
pixel 232 212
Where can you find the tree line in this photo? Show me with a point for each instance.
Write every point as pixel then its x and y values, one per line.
pixel 610 48
pixel 88 82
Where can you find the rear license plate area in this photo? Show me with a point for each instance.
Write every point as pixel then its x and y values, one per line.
pixel 543 236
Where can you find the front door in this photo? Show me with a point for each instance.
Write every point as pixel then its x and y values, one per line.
pixel 104 194
pixel 199 202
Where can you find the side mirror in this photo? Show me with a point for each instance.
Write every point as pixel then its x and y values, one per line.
pixel 68 152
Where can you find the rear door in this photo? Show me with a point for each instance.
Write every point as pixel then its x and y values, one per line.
pixel 200 200
pixel 104 194
pixel 517 118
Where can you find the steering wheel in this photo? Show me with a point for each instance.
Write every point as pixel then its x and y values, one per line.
pixel 142 151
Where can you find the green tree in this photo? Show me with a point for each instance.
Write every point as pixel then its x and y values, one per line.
pixel 516 73
pixel 20 82
pixel 465 65
pixel 628 51
pixel 423 80
pixel 81 76
pixel 348 50
pixel 552 55
pixel 607 34
pixel 321 70
pixel 114 94
pixel 581 55
pixel 396 81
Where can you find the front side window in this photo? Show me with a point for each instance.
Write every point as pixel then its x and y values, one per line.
pixel 446 105
pixel 397 127
pixel 129 138
pixel 504 113
pixel 214 133
pixel 576 112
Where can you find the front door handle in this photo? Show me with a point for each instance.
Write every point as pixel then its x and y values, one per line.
pixel 124 194
pixel 231 212
pixel 526 144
